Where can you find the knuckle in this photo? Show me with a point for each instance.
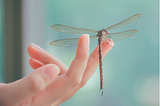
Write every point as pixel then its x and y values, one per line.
pixel 83 84
pixel 82 58
pixel 94 58
pixel 35 85
pixel 76 82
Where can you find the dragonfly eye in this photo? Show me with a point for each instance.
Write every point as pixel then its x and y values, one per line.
pixel 99 32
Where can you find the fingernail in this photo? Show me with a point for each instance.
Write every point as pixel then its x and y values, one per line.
pixel 51 71
pixel 87 40
pixel 36 46
pixel 110 42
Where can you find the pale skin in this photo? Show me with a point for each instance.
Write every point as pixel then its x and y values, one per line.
pixel 52 83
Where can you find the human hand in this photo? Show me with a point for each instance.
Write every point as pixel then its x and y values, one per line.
pixel 40 89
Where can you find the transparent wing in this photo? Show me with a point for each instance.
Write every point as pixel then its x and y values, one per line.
pixel 72 30
pixel 69 42
pixel 125 22
pixel 121 35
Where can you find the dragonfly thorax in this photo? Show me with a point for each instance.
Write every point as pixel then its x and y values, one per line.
pixel 102 32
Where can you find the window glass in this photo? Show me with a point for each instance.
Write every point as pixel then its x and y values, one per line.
pixel 130 69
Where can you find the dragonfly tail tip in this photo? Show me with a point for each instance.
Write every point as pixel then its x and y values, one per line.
pixel 101 92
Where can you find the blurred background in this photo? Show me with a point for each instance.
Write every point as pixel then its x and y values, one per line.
pixel 131 68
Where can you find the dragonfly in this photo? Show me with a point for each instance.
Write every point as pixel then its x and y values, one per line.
pixel 102 35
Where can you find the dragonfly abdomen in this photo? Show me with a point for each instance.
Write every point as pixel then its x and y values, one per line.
pixel 100 63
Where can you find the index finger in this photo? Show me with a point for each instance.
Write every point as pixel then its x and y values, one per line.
pixel 79 63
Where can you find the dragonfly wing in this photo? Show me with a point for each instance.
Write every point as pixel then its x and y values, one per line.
pixel 121 35
pixel 93 38
pixel 69 42
pixel 72 30
pixel 125 22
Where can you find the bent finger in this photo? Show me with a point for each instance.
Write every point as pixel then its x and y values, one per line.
pixel 44 57
pixel 35 63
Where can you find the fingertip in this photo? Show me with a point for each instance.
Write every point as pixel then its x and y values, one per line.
pixel 84 40
pixel 110 42
pixel 33 47
pixel 106 47
pixel 87 39
pixel 36 46
pixel 34 52
pixel 83 45
pixel 29 48
pixel 52 71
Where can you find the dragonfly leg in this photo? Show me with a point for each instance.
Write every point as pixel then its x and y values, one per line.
pixel 133 37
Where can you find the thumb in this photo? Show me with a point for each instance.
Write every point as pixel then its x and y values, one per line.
pixel 29 86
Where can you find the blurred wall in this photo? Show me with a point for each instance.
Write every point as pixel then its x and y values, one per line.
pixel 13 40
pixel 1 41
